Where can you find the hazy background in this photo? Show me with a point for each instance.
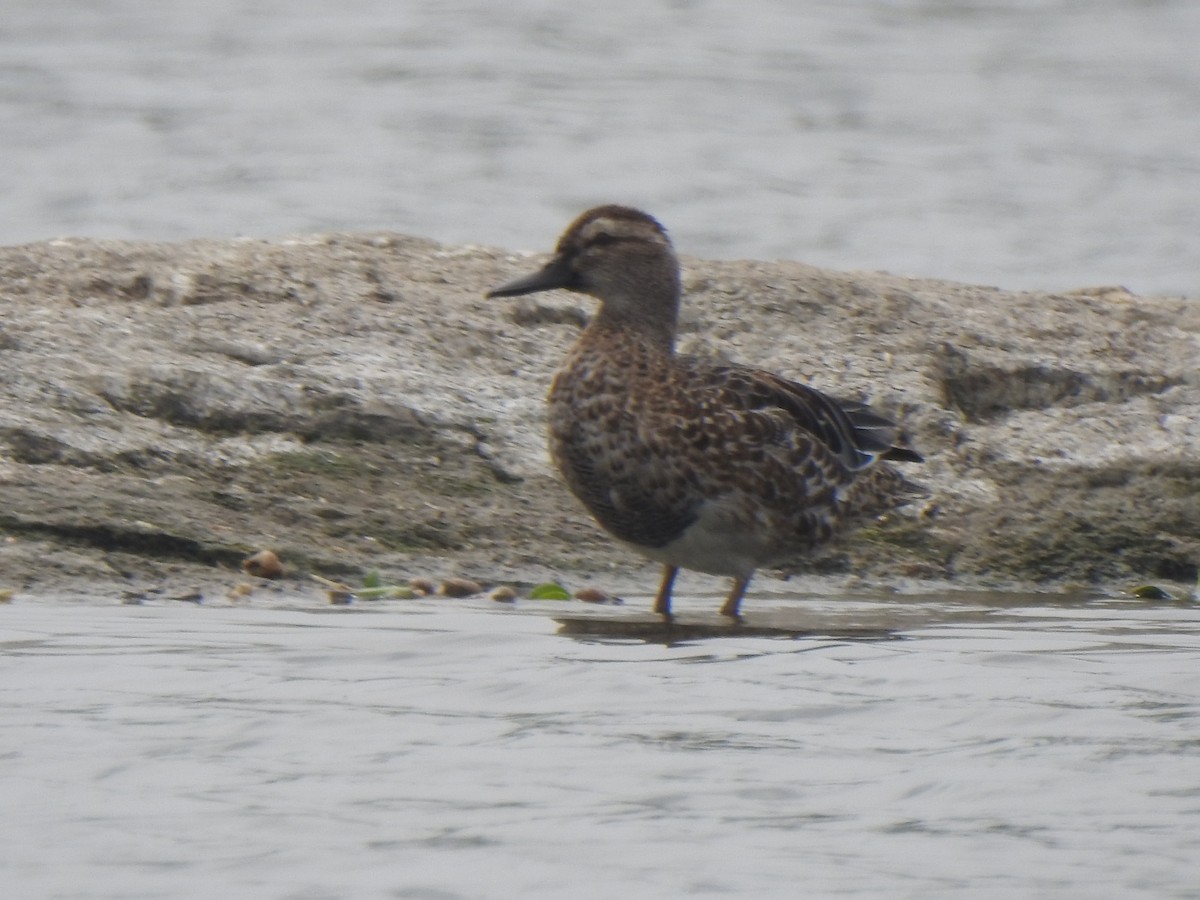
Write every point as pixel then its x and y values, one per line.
pixel 1024 143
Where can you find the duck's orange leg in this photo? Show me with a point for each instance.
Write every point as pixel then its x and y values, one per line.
pixel 662 602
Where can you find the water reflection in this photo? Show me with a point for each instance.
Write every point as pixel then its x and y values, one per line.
pixel 862 617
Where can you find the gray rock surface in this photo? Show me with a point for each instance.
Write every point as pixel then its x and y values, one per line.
pixel 354 403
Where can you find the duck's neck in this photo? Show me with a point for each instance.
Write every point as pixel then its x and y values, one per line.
pixel 647 308
pixel 653 333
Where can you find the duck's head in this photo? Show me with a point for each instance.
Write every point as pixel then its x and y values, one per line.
pixel 617 254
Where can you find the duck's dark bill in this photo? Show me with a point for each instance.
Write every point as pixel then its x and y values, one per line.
pixel 555 274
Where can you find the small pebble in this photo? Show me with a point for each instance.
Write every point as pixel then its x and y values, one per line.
pixel 422 587
pixel 240 590
pixel 263 564
pixel 593 595
pixel 1150 592
pixel 460 587
pixel 503 594
pixel 341 598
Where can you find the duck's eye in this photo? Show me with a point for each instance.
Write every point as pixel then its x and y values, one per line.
pixel 603 239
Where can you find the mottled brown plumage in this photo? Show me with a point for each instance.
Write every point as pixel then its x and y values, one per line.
pixel 721 469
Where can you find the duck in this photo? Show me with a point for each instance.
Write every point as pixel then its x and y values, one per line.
pixel 722 469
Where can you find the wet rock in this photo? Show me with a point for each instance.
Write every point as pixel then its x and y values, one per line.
pixel 423 587
pixel 353 402
pixel 263 564
pixel 503 594
pixel 240 591
pixel 596 595
pixel 460 587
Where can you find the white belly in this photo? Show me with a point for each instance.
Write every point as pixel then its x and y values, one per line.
pixel 722 541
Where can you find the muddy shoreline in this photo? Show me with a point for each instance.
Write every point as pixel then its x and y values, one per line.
pixel 352 402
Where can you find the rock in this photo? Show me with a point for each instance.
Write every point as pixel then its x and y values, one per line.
pixel 503 594
pixel 460 587
pixel 596 595
pixel 422 587
pixel 240 591
pixel 352 401
pixel 263 564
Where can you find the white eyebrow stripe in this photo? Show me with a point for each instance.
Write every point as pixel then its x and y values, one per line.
pixel 620 228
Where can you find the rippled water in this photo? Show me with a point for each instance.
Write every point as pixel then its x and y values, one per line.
pixel 966 746
pixel 1026 143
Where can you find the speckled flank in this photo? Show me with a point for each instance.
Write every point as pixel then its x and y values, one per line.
pixel 721 469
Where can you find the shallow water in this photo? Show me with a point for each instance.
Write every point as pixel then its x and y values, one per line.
pixel 958 745
pixel 1027 143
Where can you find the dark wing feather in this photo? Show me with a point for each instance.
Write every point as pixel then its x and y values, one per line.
pixel 853 432
pixel 877 434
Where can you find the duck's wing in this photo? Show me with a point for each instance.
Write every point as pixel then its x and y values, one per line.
pixel 851 431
